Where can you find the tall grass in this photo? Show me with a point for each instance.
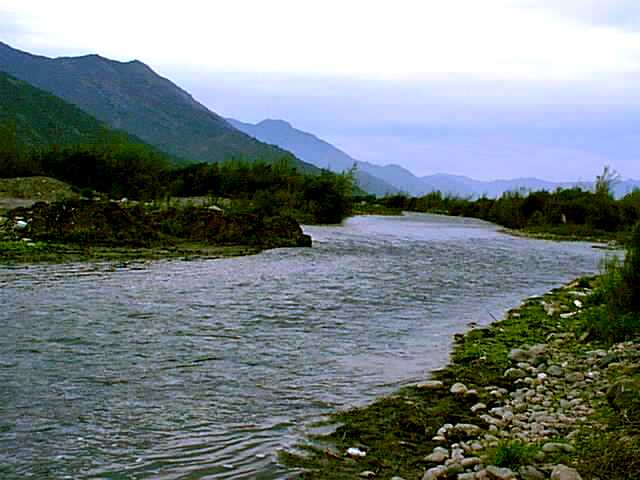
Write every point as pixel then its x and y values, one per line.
pixel 617 315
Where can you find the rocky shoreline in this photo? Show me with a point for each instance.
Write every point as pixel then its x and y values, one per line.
pixel 526 398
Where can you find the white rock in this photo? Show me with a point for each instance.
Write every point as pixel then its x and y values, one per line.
pixel 562 472
pixel 458 389
pixel 500 473
pixel 356 452
pixel 434 473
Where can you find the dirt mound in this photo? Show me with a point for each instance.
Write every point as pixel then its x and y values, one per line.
pixel 113 223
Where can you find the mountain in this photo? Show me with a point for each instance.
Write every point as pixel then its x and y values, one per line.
pixel 44 119
pixel 132 97
pixel 312 149
pixel 467 187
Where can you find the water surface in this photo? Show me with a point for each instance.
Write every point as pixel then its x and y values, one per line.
pixel 205 369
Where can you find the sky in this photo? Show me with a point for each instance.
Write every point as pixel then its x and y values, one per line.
pixel 491 89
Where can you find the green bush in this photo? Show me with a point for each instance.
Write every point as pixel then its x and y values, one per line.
pixel 617 314
pixel 512 454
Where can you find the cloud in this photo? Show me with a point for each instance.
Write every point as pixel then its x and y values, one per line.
pixel 620 14
pixel 361 38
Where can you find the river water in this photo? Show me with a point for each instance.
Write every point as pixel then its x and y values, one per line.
pixel 205 369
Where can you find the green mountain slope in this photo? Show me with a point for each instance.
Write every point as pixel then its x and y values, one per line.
pixel 132 97
pixel 40 118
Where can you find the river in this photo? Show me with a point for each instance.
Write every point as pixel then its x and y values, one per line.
pixel 205 369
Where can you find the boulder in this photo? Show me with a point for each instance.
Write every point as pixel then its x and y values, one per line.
pixel 562 472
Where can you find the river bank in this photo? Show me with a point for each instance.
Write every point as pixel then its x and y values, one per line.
pixel 531 396
pixel 79 230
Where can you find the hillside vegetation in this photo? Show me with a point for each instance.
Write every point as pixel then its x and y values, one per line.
pixel 132 97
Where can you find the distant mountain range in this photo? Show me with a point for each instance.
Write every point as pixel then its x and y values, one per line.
pixel 391 179
pixel 132 97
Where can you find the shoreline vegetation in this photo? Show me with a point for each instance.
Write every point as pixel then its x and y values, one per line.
pixel 550 391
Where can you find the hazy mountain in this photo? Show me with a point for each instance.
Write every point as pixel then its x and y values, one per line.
pixel 132 97
pixel 41 118
pixel 468 187
pixel 312 149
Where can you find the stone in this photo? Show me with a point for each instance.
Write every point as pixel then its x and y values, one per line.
pixel 466 476
pixel 555 447
pixel 555 371
pixel 514 373
pixel 397 478
pixel 431 385
pixel 470 462
pixel 454 469
pixel 21 225
pixel 367 474
pixel 434 473
pixel 562 472
pixel 530 473
pixel 478 406
pixel 500 473
pixel 437 456
pixel 468 429
pixel 574 377
pixel 458 389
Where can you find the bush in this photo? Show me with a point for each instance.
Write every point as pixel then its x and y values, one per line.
pixel 512 454
pixel 617 315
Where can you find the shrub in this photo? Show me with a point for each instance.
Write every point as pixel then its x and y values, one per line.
pixel 617 315
pixel 512 454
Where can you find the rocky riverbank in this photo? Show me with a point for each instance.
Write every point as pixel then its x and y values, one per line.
pixel 531 397
pixel 82 228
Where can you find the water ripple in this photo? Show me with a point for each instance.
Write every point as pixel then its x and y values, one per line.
pixel 205 369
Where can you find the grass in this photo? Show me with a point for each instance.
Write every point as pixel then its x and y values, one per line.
pixel 20 252
pixel 512 454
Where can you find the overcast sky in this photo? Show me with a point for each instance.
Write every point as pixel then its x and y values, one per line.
pixel 488 89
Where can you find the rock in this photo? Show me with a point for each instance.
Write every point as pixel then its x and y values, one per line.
pixel 514 373
pixel 531 473
pixel 367 474
pixel 431 385
pixel 468 429
pixel 500 473
pixel 555 371
pixel 355 452
pixel 458 389
pixel 533 355
pixel 467 476
pixel 21 225
pixel 438 456
pixel 453 469
pixel 397 478
pixel 562 472
pixel 574 377
pixel 554 447
pixel 478 407
pixel 578 303
pixel 434 473
pixel 470 462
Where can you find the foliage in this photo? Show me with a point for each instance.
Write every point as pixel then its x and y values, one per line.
pixel 569 212
pixel 616 316
pixel 512 454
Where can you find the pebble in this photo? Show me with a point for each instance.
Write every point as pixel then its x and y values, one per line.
pixel 458 389
pixel 431 385
pixel 478 406
pixel 530 473
pixel 562 472
pixel 500 473
pixel 367 474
